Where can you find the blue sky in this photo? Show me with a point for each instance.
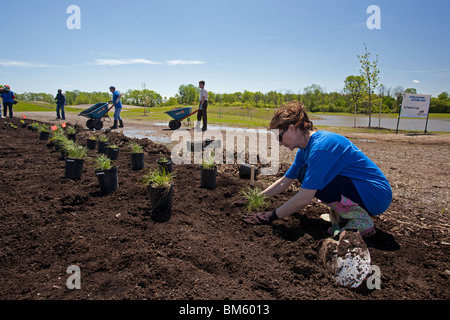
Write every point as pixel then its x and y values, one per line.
pixel 232 45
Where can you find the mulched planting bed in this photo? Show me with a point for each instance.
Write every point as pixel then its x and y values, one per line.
pixel 205 251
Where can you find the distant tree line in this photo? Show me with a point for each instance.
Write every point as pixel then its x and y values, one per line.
pixel 315 98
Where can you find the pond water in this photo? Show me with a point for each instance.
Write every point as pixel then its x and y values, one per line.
pixel 149 134
pixel 389 123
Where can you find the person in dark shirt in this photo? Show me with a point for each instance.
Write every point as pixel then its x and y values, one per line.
pixel 8 101
pixel 60 103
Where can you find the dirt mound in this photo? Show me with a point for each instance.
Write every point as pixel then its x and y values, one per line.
pixel 204 251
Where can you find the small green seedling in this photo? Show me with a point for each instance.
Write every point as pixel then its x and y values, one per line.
pixel 209 163
pixel 135 148
pixel 158 178
pixel 77 152
pixel 71 130
pixel 256 201
pixel 103 163
pixel 103 138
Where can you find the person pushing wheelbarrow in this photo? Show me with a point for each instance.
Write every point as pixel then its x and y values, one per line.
pixel 330 168
pixel 117 104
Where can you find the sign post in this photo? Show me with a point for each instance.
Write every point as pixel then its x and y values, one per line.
pixel 415 106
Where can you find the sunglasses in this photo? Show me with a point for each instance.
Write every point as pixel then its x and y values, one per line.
pixel 280 136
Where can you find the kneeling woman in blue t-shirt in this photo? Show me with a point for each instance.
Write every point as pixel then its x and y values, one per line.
pixel 332 169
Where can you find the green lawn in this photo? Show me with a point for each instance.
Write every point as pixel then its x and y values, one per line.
pixel 24 106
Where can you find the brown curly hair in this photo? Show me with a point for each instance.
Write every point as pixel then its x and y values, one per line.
pixel 293 112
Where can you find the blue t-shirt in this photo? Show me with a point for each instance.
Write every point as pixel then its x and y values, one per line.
pixel 328 155
pixel 116 95
pixel 8 96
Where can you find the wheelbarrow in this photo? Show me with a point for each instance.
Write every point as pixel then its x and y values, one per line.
pixel 96 114
pixel 179 114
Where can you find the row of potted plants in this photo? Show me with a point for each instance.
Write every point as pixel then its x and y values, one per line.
pixel 159 181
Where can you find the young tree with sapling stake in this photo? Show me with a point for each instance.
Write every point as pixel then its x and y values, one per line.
pixel 369 71
pixel 355 86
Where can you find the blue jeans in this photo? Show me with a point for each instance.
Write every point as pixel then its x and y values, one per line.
pixel 117 113
pixel 6 106
pixel 60 107
pixel 339 186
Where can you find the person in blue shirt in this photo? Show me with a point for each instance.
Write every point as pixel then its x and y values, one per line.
pixel 60 103
pixel 117 107
pixel 330 168
pixel 8 101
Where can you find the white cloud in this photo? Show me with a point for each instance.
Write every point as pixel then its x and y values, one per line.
pixel 117 62
pixel 416 81
pixel 183 62
pixel 21 64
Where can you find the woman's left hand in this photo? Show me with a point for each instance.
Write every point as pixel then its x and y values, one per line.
pixel 258 218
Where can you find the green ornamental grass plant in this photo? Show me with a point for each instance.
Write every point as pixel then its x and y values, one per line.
pixel 135 148
pixel 157 178
pixel 103 163
pixel 71 130
pixel 77 152
pixel 103 138
pixel 256 201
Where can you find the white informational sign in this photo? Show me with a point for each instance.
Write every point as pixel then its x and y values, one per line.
pixel 415 105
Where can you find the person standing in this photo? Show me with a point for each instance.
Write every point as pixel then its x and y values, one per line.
pixel 202 113
pixel 117 104
pixel 60 103
pixel 8 101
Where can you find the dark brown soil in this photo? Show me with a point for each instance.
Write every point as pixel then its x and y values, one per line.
pixel 204 251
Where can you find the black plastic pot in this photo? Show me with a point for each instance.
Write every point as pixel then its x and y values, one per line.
pixel 102 147
pixel 208 178
pixel 43 135
pixel 245 171
pixel 137 161
pixel 72 136
pixel 161 201
pixel 74 167
pixel 112 153
pixel 108 180
pixel 166 165
pixel 91 144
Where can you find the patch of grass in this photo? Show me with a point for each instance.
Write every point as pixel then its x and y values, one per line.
pixel 24 106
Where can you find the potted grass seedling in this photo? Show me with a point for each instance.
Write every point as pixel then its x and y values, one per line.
pixel 34 126
pixel 71 133
pixel 255 200
pixel 160 186
pixel 137 156
pixel 102 143
pixel 74 161
pixel 165 163
pixel 112 151
pixel 56 140
pixel 65 146
pixel 44 131
pixel 208 172
pixel 91 142
pixel 107 174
